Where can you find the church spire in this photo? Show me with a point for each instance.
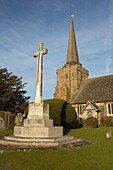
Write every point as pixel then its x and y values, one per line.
pixel 72 53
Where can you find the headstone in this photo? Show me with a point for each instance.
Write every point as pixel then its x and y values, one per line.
pixel 6 119
pixel 19 119
pixel 109 134
pixel 11 121
pixel 2 124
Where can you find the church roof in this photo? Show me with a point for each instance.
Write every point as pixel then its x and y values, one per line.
pixel 72 53
pixel 98 89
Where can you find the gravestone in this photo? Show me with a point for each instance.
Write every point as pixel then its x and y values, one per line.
pixel 109 134
pixel 19 119
pixel 2 127
pixel 11 121
pixel 6 119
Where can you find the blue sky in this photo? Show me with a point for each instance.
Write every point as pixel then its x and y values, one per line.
pixel 25 23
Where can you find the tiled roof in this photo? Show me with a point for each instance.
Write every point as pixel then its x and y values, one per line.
pixel 97 89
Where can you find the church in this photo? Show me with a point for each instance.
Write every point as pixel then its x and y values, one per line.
pixel 91 97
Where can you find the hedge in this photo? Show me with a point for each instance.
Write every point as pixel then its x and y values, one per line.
pixel 62 113
pixel 91 122
pixel 107 121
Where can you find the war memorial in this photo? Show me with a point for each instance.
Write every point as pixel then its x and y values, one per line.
pixel 37 128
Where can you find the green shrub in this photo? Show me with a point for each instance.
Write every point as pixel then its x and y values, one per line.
pixel 84 122
pixel 107 121
pixel 62 113
pixel 78 124
pixel 91 122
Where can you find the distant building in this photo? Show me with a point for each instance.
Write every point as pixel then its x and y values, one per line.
pixel 89 96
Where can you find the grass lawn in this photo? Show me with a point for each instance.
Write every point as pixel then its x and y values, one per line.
pixel 97 156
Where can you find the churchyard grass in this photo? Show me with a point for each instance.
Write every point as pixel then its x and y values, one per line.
pixel 98 156
pixel 6 132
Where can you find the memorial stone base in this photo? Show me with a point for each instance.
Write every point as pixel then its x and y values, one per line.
pixel 38 124
pixel 38 130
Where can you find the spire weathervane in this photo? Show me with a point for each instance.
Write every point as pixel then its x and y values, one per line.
pixel 72 16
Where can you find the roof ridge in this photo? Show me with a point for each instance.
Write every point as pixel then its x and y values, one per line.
pixel 97 89
pixel 99 76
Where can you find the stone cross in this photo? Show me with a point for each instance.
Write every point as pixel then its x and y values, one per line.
pixel 39 54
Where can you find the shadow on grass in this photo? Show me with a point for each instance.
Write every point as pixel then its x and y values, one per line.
pixel 78 125
pixel 66 131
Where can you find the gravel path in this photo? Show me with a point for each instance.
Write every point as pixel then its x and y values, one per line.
pixel 76 145
pixel 5 167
